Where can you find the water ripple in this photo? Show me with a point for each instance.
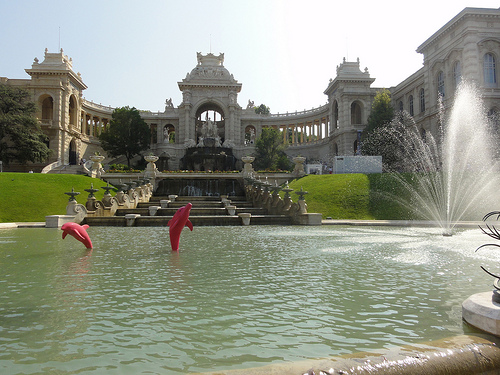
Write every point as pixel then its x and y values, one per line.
pixel 249 296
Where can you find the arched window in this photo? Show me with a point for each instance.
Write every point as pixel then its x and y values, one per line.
pixel 169 133
pixel 72 110
pixel 210 125
pixel 410 105
pixel 47 108
pixel 489 68
pixel 440 84
pixel 355 113
pixel 336 114
pixel 250 135
pixel 422 100
pixel 457 73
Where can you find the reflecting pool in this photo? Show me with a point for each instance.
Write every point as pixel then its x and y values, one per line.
pixel 232 298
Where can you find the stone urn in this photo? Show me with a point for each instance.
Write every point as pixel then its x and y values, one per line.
pixel 247 168
pixel 97 169
pixel 299 166
pixel 151 167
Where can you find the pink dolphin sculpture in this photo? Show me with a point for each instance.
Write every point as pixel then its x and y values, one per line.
pixel 177 223
pixel 78 231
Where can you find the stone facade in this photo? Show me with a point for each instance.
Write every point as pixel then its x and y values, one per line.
pixel 467 47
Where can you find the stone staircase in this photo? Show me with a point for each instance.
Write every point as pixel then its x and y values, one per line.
pixel 68 169
pixel 206 211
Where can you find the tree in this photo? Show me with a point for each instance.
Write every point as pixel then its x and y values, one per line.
pixel 127 134
pixel 270 150
pixel 381 113
pixel 21 138
pixel 262 110
pixel 395 142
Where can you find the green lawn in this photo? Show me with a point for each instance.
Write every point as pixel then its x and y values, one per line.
pixel 353 196
pixel 26 197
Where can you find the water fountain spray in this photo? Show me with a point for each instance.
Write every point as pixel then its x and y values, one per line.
pixel 455 175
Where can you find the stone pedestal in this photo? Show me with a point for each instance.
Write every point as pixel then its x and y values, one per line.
pixel 151 169
pixel 307 219
pixel 482 311
pixel 130 219
pixel 247 168
pixel 153 210
pixel 299 170
pixel 245 218
pixel 57 221
pixel 97 170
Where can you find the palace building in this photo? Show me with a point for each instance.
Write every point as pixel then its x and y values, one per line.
pixel 209 129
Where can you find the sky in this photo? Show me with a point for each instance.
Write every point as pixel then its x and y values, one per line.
pixel 283 52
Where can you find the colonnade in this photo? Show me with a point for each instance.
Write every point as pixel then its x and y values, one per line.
pixel 305 131
pixel 92 125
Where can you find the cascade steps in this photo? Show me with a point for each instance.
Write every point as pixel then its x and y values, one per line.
pixel 206 211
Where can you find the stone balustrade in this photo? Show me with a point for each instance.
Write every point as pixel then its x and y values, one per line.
pixel 265 195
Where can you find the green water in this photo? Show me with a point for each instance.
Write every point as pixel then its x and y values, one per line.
pixel 233 297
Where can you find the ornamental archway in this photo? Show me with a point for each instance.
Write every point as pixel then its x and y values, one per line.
pixel 210 124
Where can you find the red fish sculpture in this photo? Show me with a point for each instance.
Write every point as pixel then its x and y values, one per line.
pixel 78 231
pixel 177 224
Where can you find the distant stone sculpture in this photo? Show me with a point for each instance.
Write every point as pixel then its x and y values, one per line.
pixel 209 129
pixel 250 104
pixel 209 134
pixel 168 104
pixel 166 135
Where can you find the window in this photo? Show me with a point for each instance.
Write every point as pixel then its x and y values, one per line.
pixel 47 108
pixel 355 114
pixel 489 67
pixel 72 110
pixel 440 84
pixel 410 104
pixel 401 106
pixel 250 135
pixel 457 73
pixel 422 100
pixel 336 114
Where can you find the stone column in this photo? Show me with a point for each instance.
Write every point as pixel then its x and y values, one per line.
pixel 470 64
pixel 187 124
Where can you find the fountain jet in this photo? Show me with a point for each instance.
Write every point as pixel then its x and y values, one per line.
pixel 454 176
